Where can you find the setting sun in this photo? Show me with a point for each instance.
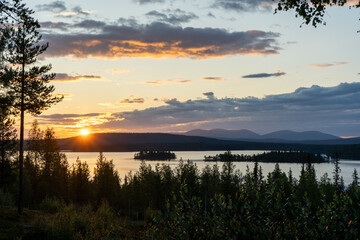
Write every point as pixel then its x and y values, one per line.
pixel 84 132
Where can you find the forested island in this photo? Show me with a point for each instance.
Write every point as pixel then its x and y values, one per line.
pixel 272 156
pixel 155 155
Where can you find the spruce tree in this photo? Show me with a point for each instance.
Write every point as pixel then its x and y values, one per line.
pixel 26 83
pixel 8 144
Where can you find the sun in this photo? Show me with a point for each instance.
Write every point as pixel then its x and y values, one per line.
pixel 84 132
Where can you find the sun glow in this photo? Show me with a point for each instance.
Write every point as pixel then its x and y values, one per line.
pixel 84 132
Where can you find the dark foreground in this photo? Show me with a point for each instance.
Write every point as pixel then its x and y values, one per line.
pixel 65 202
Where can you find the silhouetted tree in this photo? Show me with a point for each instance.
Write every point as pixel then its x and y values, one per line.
pixel 8 144
pixel 81 190
pixel 106 181
pixel 311 11
pixel 26 83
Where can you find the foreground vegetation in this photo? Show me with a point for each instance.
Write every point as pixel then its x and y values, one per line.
pixel 65 202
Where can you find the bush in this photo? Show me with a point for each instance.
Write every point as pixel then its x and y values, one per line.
pixel 49 205
pixel 6 199
pixel 74 222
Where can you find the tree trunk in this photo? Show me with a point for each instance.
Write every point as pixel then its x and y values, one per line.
pixel 21 151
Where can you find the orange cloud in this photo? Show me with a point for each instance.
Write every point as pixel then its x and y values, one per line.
pixel 133 99
pixel 162 82
pixel 159 40
pixel 327 65
pixel 213 79
pixel 64 77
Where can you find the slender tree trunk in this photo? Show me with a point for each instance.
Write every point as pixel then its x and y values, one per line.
pixel 21 153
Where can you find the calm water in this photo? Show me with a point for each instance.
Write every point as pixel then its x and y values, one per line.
pixel 125 163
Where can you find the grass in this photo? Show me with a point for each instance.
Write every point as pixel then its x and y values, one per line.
pixel 70 222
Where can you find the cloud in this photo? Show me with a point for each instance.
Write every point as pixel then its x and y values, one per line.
pixel 209 95
pixel 327 65
pixel 162 82
pixel 120 70
pixel 55 25
pixel 148 1
pixel 213 79
pixel 175 17
pixel 159 40
pixel 64 77
pixel 211 15
pixel 133 99
pixel 331 109
pixel 243 5
pixel 88 24
pixel 67 119
pixel 76 11
pixel 56 7
pixel 264 75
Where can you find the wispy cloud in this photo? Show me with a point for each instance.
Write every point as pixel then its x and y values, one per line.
pixel 176 16
pixel 148 1
pixel 209 95
pixel 327 65
pixel 213 79
pixel 264 75
pixel 244 5
pixel 56 7
pixel 132 99
pixel 162 82
pixel 120 70
pixel 75 11
pixel 64 77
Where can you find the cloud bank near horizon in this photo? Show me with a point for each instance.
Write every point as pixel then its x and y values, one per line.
pixel 330 109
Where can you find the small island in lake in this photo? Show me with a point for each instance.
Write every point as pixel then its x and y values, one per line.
pixel 272 156
pixel 155 155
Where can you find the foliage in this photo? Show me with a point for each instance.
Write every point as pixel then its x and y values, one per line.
pixel 311 11
pixel 77 223
pixel 272 156
pixel 80 185
pixel 25 83
pixel 8 145
pixel 273 209
pixel 106 181
pixel 154 155
pixel 46 166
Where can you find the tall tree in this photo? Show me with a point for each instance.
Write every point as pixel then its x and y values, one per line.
pixel 312 11
pixel 8 143
pixel 26 82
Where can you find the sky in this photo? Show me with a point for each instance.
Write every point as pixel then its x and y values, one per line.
pixel 172 66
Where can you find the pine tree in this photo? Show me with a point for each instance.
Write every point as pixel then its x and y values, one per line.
pixel 8 144
pixel 26 83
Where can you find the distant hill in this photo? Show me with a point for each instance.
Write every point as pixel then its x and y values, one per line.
pixel 278 136
pixel 131 142
pixel 299 136
pixel 224 134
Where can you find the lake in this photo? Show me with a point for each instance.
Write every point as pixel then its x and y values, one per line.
pixel 124 163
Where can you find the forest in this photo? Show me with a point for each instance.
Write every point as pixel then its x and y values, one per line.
pixel 271 156
pixel 155 155
pixel 67 202
pixel 43 197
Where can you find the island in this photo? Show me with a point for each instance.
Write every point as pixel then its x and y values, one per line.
pixel 155 155
pixel 272 156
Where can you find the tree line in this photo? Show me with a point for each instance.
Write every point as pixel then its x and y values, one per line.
pixel 186 202
pixel 291 156
pixel 154 155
